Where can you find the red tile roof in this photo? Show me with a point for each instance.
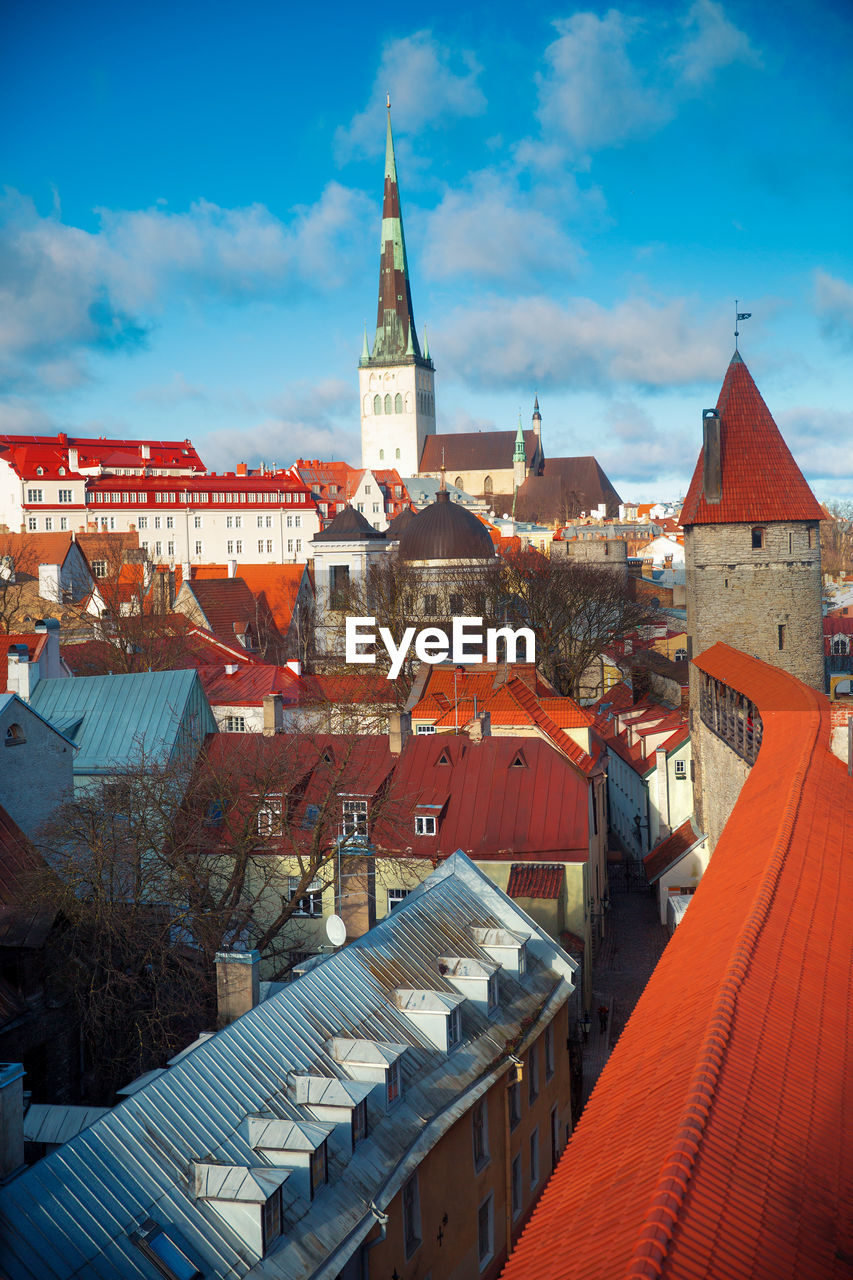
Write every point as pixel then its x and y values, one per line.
pixel 535 880
pixel 761 480
pixel 670 850
pixel 248 685
pixel 716 1142
pixel 35 644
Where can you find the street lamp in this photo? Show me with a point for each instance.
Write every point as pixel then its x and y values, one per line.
pixel 586 1026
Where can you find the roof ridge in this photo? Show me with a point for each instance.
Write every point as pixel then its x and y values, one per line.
pixel 668 1196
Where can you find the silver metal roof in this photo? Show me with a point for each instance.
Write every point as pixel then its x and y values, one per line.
pixel 73 1213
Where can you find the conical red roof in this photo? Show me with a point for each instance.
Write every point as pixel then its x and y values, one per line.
pixel 761 480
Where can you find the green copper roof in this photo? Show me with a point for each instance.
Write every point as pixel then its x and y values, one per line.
pixel 519 443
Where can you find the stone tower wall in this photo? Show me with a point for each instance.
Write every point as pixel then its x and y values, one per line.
pixel 610 553
pixel 741 596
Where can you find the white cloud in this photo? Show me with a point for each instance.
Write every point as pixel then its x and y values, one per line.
pixel 637 450
pixel 610 79
pixel 307 420
pixel 834 306
pixel 713 42
pixel 821 440
pixel 428 83
pixel 64 290
pixel 581 344
pixel 493 232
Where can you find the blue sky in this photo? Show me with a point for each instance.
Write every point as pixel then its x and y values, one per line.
pixel 190 224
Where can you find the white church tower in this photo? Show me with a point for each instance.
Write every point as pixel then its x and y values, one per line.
pixel 396 380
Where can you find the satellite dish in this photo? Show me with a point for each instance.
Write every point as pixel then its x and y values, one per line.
pixel 336 931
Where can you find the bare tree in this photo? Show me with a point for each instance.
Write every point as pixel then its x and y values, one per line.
pixel 19 572
pixel 157 870
pixel 836 539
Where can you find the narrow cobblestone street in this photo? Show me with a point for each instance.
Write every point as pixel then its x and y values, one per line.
pixel 634 943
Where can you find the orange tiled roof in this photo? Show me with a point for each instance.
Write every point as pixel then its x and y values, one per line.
pixel 761 480
pixel 717 1141
pixel 535 880
pixel 668 852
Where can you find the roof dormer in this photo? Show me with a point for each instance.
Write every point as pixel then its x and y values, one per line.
pixel 248 1199
pixel 505 947
pixel 340 1103
pixel 435 1014
pixel 377 1061
pixel 296 1145
pixel 476 980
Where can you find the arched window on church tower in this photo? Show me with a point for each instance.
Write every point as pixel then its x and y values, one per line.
pixel 398 403
pixel 397 453
pixel 387 402
pixel 381 455
pixel 487 486
pixel 458 482
pixel 377 404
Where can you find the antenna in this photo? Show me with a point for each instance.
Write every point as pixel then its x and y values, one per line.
pixel 336 931
pixel 740 315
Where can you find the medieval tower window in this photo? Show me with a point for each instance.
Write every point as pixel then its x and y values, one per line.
pixel 757 539
pixel 781 629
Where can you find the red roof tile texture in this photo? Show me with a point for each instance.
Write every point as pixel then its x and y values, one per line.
pixel 761 480
pixel 717 1141
pixel 535 880
pixel 668 852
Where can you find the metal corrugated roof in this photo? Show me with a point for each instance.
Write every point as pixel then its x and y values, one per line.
pixel 73 1213
pixel 120 717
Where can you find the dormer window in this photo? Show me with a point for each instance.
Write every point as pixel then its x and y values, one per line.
pixel 394 1084
pixel 319 1169
pixel 359 1123
pixel 424 826
pixel 493 992
pixel 454 1028
pixel 355 819
pixel 272 1219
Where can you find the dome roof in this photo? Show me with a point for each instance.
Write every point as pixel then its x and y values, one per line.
pixel 349 525
pixel 399 524
pixel 446 531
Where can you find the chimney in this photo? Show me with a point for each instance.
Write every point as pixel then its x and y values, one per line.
pixel 242 469
pixel 11 1119
pixel 50 583
pixel 295 666
pixel 231 668
pixel 273 714
pixel 480 727
pixel 73 459
pixel 145 450
pixel 53 665
pixel 237 984
pixel 712 466
pixel 22 676
pixel 357 892
pixel 399 729
pixel 663 792
pixel 231 567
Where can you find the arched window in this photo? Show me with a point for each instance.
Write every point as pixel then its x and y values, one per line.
pixel 398 403
pixel 757 539
pixel 397 454
pixel 840 644
pixel 680 655
pixel 377 404
pixel 487 485
pixel 381 455
pixel 458 482
pixel 387 403
pixel 15 735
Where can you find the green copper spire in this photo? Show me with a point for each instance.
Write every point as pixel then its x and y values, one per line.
pixel 519 444
pixel 396 338
pixel 365 350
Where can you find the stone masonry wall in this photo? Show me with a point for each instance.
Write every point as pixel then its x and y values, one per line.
pixel 719 774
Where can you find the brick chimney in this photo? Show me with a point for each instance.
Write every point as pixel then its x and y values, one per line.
pixel 399 729
pixel 273 714
pixel 237 984
pixel 712 466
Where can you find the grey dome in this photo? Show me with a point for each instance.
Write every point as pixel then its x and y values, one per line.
pixel 446 531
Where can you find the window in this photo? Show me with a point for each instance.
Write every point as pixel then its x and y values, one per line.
pixel 269 818
pixel 360 507
pixel 381 455
pixel 454 1028
pixel 198 550
pixel 63 523
pixel 355 818
pixel 289 545
pixel 229 522
pixel 680 655
pixel 298 545
pixel 289 522
pixel 681 768
pixel 485 1231
pixel 811 535
pixel 235 724
pixel 387 405
pixel 260 544
pixel 268 524
pixel 230 546
pixel 272 1219
pixel 338 585
pixel 142 522
pixel 166 1249
pixel 396 453
pixel 359 1122
pixel 156 522
pixel 170 548
pixel 782 631
pixel 239 545
pixel 790 543
pixel 377 404
pixel 533 1074
pixel 238 522
pixel 32 523
pixel 488 487
pixel 99 568
pixel 319 1169
pixel 66 495
pixel 15 736
pixel 493 992
pixel 260 522
pixel 757 539
pixel 411 1216
pixel 549 1051
pixel 35 495
pixel 534 1157
pixel 395 897
pixel 480 1134
pixel 398 403
pixel 516 1186
pixel 456 602
pixel 196 522
pixel 297 522
pixel 425 728
pixel 311 901
pixel 424 826
pixel 458 483
pixel 48 523
pixel 170 522
pixel 393 1084
pixel 514 1103
pixel 375 508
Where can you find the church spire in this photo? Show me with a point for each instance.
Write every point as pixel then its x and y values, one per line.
pixel 396 338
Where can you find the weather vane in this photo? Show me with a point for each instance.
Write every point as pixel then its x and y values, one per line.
pixel 740 315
